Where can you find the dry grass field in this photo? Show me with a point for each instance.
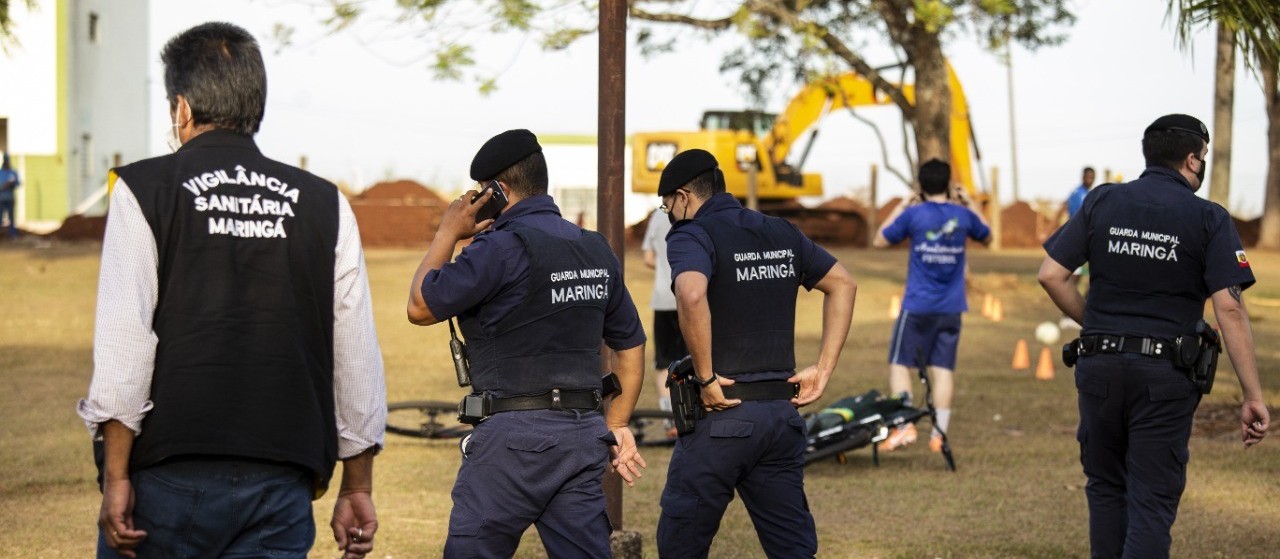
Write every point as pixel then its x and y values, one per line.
pixel 1018 491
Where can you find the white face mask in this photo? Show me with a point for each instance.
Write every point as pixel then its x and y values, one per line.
pixel 172 139
pixel 172 136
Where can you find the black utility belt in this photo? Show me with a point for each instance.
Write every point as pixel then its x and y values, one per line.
pixel 1197 354
pixel 1151 347
pixel 475 407
pixel 765 390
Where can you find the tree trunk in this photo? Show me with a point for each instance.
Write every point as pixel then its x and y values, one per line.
pixel 932 120
pixel 1223 105
pixel 1269 232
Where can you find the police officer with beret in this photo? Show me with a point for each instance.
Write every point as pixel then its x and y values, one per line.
pixel 1155 252
pixel 737 273
pixel 534 296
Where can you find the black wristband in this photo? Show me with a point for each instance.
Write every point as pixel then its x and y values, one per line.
pixel 703 384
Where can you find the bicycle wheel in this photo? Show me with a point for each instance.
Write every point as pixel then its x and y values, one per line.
pixel 651 427
pixel 425 420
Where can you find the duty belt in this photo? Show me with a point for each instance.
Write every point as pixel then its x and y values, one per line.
pixel 556 399
pixel 766 390
pixel 1105 343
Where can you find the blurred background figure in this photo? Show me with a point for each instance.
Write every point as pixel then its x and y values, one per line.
pixel 9 182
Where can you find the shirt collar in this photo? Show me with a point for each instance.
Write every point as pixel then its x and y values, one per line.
pixel 219 138
pixel 718 203
pixel 536 204
pixel 1168 174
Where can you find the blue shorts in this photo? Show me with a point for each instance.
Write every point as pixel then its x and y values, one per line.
pixel 937 335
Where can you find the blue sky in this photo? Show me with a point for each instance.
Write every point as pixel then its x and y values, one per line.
pixel 362 104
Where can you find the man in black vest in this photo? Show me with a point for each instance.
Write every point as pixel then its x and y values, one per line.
pixel 737 273
pixel 235 358
pixel 1156 252
pixel 534 295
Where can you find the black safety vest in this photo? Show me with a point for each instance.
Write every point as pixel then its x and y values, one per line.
pixel 552 339
pixel 244 321
pixel 752 295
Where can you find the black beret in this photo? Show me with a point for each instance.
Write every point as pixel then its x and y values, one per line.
pixel 684 167
pixel 502 151
pixel 1181 123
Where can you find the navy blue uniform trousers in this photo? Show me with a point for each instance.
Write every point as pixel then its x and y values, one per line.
pixel 532 467
pixel 756 448
pixel 1135 421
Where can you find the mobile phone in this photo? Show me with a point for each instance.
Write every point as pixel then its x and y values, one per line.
pixel 495 204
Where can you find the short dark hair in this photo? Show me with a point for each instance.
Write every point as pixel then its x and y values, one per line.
pixel 707 184
pixel 1168 148
pixel 935 176
pixel 1087 170
pixel 218 68
pixel 527 177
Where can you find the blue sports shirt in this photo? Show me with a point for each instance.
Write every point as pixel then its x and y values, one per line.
pixel 935 272
pixel 1076 199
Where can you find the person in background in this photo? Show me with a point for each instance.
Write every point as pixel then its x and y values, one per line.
pixel 9 182
pixel 938 223
pixel 1072 205
pixel 668 343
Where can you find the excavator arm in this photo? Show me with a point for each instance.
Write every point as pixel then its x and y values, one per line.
pixel 820 97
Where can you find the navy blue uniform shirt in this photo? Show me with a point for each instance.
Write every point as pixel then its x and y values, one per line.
pixel 689 249
pixel 1156 252
pixel 490 276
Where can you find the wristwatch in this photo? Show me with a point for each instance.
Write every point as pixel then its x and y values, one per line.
pixel 703 384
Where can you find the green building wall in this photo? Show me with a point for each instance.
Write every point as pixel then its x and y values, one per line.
pixel 45 181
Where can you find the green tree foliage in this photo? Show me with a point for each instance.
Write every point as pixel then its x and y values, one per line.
pixel 1254 28
pixel 1255 24
pixel 8 38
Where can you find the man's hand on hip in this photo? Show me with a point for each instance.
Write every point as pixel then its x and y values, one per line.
pixel 713 395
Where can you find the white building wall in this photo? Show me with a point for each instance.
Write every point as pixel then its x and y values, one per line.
pixel 572 171
pixel 29 72
pixel 109 101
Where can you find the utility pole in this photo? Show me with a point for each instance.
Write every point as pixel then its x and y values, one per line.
pixel 1013 128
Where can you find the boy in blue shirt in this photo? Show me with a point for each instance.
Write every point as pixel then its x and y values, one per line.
pixel 938 227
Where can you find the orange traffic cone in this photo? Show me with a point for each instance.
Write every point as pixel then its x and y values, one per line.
pixel 1021 359
pixel 987 305
pixel 997 311
pixel 1044 369
pixel 895 306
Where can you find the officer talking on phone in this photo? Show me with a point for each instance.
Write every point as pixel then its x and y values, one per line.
pixel 534 296
pixel 736 274
pixel 1155 251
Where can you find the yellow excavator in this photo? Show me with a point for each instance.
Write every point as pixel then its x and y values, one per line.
pixel 764 140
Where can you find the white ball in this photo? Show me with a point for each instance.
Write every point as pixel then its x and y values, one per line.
pixel 1048 333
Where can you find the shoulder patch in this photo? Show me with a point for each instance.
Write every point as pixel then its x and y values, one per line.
pixel 1241 260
